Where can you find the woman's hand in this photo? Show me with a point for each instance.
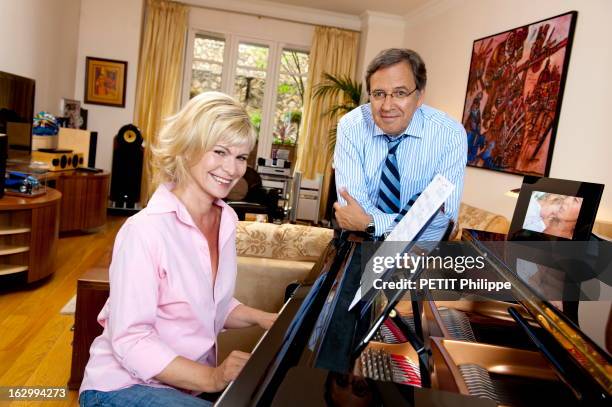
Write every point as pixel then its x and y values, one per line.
pixel 266 320
pixel 229 369
pixel 243 316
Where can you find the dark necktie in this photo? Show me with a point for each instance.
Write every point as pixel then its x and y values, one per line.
pixel 389 198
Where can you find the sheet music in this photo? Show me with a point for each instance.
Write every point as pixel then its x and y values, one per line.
pixel 426 205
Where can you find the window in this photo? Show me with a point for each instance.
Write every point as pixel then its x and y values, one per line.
pixel 207 64
pixel 292 79
pixel 250 79
pixel 268 77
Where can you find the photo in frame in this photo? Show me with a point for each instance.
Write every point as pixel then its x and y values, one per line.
pixel 105 82
pixel 71 110
pixel 514 93
pixel 555 209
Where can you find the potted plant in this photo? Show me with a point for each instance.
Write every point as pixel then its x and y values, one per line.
pixel 333 85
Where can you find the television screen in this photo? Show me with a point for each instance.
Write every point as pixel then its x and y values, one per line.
pixel 16 112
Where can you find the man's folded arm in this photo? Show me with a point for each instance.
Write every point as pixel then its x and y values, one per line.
pixel 348 165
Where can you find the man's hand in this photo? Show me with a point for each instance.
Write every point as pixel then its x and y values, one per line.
pixel 351 216
pixel 229 369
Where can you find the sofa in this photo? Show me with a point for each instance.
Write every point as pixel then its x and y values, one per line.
pixel 270 257
pixel 471 217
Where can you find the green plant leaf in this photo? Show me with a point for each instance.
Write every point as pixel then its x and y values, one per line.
pixel 332 87
pixel 331 141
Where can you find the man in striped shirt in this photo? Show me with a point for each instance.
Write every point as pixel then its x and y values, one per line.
pixel 431 143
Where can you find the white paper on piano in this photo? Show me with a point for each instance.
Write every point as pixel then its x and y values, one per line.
pixel 426 205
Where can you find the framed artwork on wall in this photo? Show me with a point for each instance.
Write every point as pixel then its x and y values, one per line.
pixel 105 81
pixel 513 97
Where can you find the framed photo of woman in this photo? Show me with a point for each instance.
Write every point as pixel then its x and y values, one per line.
pixel 555 209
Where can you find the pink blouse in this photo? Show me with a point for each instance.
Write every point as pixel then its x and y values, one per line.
pixel 162 302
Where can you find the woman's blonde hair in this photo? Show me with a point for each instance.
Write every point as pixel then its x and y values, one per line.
pixel 207 119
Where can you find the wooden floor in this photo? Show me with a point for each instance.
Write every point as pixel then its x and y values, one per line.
pixel 35 340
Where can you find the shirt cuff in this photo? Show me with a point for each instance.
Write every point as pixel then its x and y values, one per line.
pixel 436 229
pixel 148 358
pixel 382 221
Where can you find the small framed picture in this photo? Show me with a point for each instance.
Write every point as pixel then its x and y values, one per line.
pixel 555 209
pixel 71 110
pixel 105 81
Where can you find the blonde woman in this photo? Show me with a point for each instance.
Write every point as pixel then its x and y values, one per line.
pixel 173 271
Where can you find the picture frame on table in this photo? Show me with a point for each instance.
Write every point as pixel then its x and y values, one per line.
pixel 105 81
pixel 555 209
pixel 71 111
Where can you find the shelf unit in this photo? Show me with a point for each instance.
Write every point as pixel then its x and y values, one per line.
pixel 14 231
pixel 11 269
pixel 29 230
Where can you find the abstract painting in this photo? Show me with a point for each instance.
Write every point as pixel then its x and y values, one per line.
pixel 514 92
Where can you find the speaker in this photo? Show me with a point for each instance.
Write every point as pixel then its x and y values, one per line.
pixel 273 162
pixel 3 155
pixel 93 144
pixel 82 141
pixel 59 160
pixel 127 166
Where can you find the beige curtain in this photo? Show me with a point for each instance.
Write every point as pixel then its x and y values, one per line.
pixel 333 51
pixel 158 89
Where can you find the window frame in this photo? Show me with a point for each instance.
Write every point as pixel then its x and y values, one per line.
pixel 230 58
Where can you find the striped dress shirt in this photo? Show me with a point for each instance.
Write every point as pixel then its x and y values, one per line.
pixel 436 144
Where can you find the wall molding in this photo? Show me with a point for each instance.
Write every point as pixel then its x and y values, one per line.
pixel 392 18
pixel 430 9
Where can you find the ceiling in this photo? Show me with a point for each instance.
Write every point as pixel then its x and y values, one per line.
pixel 356 7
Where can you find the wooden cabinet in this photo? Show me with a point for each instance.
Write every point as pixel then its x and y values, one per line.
pixel 84 198
pixel 29 230
pixel 92 293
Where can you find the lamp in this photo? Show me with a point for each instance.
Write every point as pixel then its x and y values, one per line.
pixel 513 193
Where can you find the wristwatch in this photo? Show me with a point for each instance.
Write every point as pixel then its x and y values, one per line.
pixel 370 228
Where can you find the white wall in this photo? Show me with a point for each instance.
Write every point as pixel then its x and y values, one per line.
pixel 109 29
pixel 378 31
pixel 39 41
pixel 582 149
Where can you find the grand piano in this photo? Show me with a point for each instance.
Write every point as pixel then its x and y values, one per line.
pixel 399 348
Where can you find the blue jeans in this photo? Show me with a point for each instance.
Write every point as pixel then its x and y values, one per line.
pixel 139 395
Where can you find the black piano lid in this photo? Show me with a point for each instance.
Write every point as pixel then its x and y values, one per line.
pixel 283 343
pixel 311 387
pixel 592 361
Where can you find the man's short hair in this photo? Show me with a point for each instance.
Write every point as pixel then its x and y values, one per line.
pixel 392 56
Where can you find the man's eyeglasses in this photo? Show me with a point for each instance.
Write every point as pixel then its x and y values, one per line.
pixel 380 95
